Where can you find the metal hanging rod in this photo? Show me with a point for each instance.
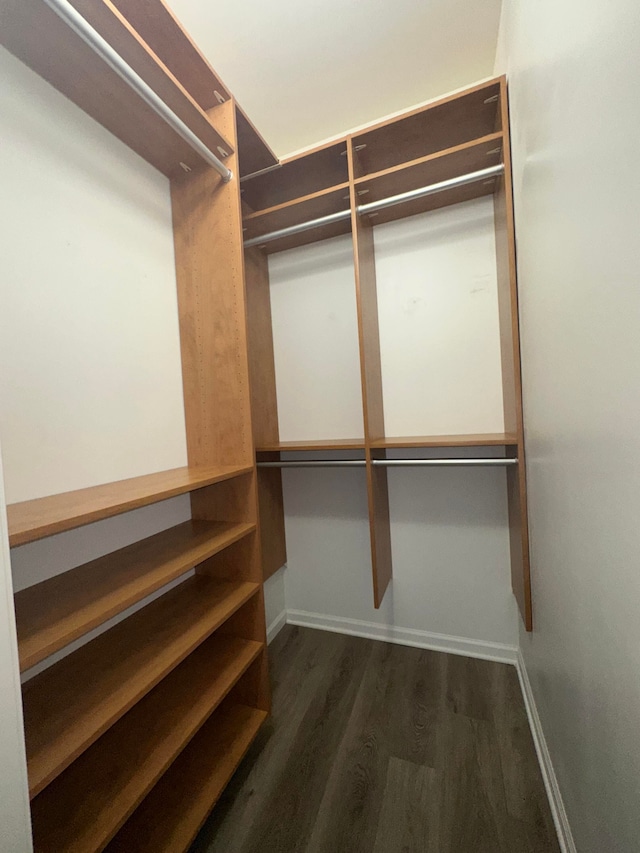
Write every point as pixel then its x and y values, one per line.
pixel 374 206
pixel 314 463
pixel 92 37
pixel 389 463
pixel 436 463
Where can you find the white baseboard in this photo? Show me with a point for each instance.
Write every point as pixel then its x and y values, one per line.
pixel 405 636
pixel 565 836
pixel 276 626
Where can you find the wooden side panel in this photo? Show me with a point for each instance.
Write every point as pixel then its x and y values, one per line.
pixel 264 408
pixel 210 279
pixel 215 362
pixel 511 378
pixel 371 375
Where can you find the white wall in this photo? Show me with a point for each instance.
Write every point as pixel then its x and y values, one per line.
pixel 441 373
pixel 573 70
pixel 90 377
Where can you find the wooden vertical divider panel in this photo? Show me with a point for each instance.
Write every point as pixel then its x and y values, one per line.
pixel 264 408
pixel 511 376
pixel 212 308
pixel 371 377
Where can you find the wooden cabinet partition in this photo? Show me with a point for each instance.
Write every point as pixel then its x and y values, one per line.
pixel 452 137
pixel 132 737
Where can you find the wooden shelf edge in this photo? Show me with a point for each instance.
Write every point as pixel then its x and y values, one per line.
pixel 86 806
pixel 428 158
pixel 321 444
pixel 70 705
pixel 489 439
pixel 259 214
pixel 42 517
pixel 168 820
pixel 52 614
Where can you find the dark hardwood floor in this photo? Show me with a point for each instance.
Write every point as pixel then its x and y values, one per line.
pixel 379 748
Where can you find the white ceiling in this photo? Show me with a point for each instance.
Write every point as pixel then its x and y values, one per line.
pixel 305 70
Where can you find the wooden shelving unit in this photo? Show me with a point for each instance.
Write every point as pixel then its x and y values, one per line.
pixel 170 817
pixel 52 614
pixel 125 763
pixel 70 704
pixel 449 138
pixel 179 688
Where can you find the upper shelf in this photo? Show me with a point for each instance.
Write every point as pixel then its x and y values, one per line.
pixel 36 35
pixel 320 444
pixel 296 177
pixel 158 26
pixel 31 520
pixel 444 124
pixel 484 439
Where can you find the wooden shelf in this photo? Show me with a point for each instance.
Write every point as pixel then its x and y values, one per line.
pixel 460 160
pixel 296 177
pixel 440 125
pixel 52 614
pixel 31 520
pixel 487 439
pixel 37 36
pixel 68 707
pixel 299 210
pixel 72 816
pixel 322 444
pixel 314 235
pixel 161 30
pixel 168 820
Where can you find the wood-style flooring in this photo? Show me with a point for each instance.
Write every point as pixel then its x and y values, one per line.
pixel 379 748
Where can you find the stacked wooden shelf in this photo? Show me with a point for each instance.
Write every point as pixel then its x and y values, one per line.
pixel 175 686
pixel 448 139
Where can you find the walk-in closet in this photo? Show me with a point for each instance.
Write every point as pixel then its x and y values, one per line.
pixel 309 395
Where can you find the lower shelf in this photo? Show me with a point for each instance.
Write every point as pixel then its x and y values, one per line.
pixel 168 820
pixel 84 808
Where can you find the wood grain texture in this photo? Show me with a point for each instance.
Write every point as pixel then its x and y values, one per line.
pixel 442 124
pixel 376 748
pixel 315 170
pixel 294 212
pixel 211 308
pixel 372 400
pixel 154 21
pixel 432 168
pixel 511 374
pixel 38 37
pixel 170 817
pixel 264 409
pixel 488 439
pixel 319 444
pixel 71 816
pixel 51 614
pixel 68 706
pixel 35 519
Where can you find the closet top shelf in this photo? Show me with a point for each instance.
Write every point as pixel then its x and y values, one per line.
pixel 482 439
pixel 448 138
pixel 38 37
pixel 320 444
pixel 35 519
pixel 156 23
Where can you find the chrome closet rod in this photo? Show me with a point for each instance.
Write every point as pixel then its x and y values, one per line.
pixel 373 206
pixel 92 37
pixel 389 463
pixel 436 463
